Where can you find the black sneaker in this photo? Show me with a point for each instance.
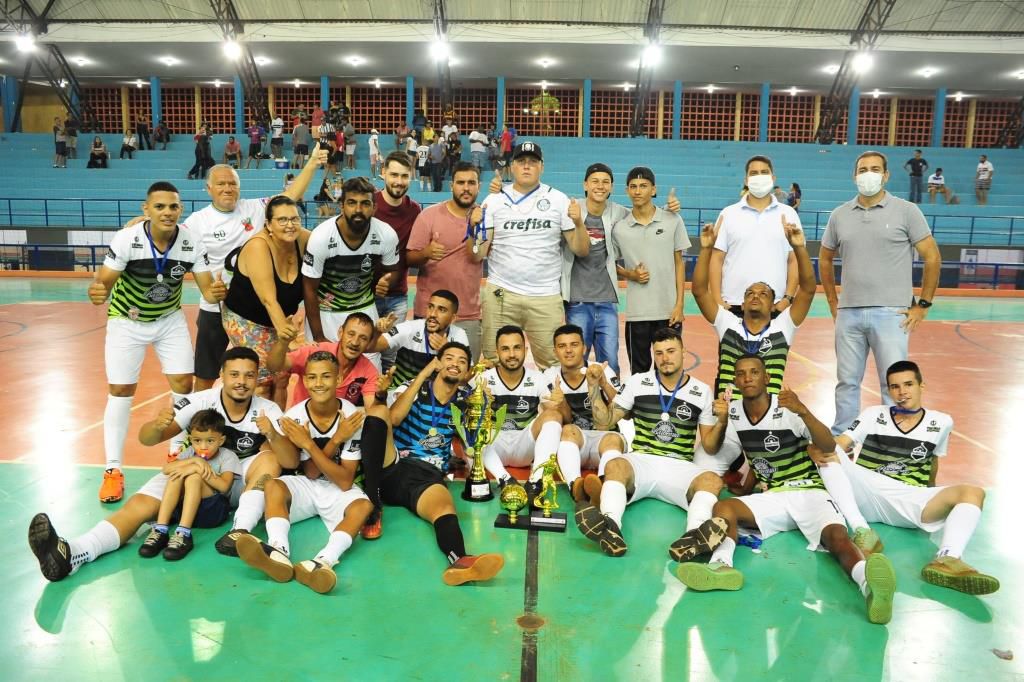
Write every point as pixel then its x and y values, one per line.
pixel 153 544
pixel 178 547
pixel 701 540
pixel 226 544
pixel 612 543
pixel 590 521
pixel 52 551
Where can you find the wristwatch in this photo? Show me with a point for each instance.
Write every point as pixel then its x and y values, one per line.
pixel 789 298
pixel 922 303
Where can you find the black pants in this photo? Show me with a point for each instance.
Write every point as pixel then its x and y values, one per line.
pixel 437 176
pixel 125 149
pixel 638 343
pixel 144 141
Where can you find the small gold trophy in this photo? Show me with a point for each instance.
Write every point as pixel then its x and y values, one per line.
pixel 547 498
pixel 544 517
pixel 477 427
pixel 513 498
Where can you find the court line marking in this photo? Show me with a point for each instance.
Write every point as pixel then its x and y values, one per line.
pixel 141 467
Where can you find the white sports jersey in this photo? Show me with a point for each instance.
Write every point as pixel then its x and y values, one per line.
pixel 347 275
pixel 221 233
pixel 348 450
pixel 243 437
pixel 526 248
pixel 422 154
pixel 776 447
pixel 578 398
pixel 374 149
pixel 903 456
pixel 411 341
pixel 523 399
pixel 647 400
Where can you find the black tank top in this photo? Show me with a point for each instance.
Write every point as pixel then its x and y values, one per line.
pixel 242 299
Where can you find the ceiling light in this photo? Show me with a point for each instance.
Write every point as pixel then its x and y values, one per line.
pixel 831 69
pixel 377 83
pixel 627 86
pixel 927 72
pixel 544 85
pixel 216 82
pixel 355 60
pixel 63 83
pixel 25 42
pixel 793 91
pixel 545 62
pixel 1019 75
pixel 439 50
pixel 138 82
pixel 862 62
pixel 232 50
pixel 169 61
pixel 261 61
pixel 651 55
pixel 959 97
pixel 526 111
pixel 711 88
pixel 80 61
pixel 875 93
pixel 297 82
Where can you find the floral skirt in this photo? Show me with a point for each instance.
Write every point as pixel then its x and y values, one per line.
pixel 249 334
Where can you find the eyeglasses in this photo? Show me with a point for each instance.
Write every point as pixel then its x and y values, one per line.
pixel 288 221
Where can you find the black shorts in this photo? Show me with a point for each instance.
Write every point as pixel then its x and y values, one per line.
pixel 302 149
pixel 212 512
pixel 254 150
pixel 211 342
pixel 508 157
pixel 337 157
pixel 61 148
pixel 406 480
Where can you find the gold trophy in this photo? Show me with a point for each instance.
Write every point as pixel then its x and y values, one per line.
pixel 544 517
pixel 477 427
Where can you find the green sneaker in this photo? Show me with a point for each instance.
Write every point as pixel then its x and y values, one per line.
pixel 881 579
pixel 868 542
pixel 953 573
pixel 707 577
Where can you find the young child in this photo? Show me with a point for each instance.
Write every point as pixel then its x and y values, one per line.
pixel 197 487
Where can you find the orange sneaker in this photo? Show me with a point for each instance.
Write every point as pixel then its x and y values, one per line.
pixel 112 489
pixel 371 530
pixel 473 568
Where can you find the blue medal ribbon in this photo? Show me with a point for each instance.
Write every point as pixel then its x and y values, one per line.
pixel 666 404
pixel 753 346
pixel 158 262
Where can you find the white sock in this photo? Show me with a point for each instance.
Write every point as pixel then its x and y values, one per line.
pixel 606 457
pixel 337 545
pixel 277 533
pixel 858 574
pixel 250 509
pixel 841 492
pixel 103 538
pixel 115 428
pixel 177 443
pixel 613 500
pixel 723 553
pixel 960 525
pixel 569 460
pixel 700 508
pixel 547 443
pixel 492 463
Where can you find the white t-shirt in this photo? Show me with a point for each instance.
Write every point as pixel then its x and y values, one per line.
pixel 448 130
pixel 422 154
pixel 477 142
pixel 221 233
pixel 411 144
pixel 277 129
pixel 522 400
pixel 374 146
pixel 755 246
pixel 526 251
pixel 985 170
pixel 935 179
pixel 349 450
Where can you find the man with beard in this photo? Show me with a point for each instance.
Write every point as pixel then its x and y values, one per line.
pixel 248 433
pixel 342 256
pixel 436 248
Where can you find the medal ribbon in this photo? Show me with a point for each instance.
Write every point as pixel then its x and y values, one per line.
pixel 666 404
pixel 435 418
pixel 158 262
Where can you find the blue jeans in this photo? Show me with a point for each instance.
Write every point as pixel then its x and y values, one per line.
pixel 399 305
pixel 916 188
pixel 859 330
pixel 600 325
pixel 479 160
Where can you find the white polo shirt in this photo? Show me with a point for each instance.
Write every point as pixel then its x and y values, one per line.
pixel 755 246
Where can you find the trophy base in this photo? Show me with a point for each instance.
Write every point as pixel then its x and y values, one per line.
pixel 477 491
pixel 535 520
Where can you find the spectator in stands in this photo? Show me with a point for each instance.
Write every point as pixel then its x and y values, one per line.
pixel 277 137
pixel 423 166
pixel 289 180
pixel 142 130
pixel 255 133
pixel 449 127
pixel 411 145
pixel 937 185
pixel 401 132
pixel 60 142
pixel 794 197
pixel 983 180
pixel 317 120
pixel 328 141
pixel 161 134
pixel 71 133
pixel 203 154
pixel 350 145
pixel 751 244
pixel 129 143
pixel 232 152
pixel 478 147
pixel 339 146
pixel 506 152
pixel 449 114
pixel 780 195
pixel 373 143
pixel 98 154
pixel 453 150
pixel 875 235
pixel 419 121
pixel 428 134
pixel 916 166
pixel 300 144
pixel 438 155
pixel 325 202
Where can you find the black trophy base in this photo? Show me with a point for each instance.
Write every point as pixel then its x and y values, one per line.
pixel 535 520
pixel 477 491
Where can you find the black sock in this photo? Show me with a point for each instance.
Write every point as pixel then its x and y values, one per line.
pixel 449 537
pixel 374 440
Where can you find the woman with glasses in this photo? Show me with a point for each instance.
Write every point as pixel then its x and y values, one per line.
pixel 266 289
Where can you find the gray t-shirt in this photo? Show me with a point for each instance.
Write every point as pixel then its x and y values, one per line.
pixel 589 281
pixel 300 135
pixel 654 245
pixel 876 246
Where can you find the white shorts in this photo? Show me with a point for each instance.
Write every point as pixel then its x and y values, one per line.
pixel 156 486
pixel 319 498
pixel 350 149
pixel 810 511
pixel 885 500
pixel 515 448
pixel 663 478
pixel 125 347
pixel 726 455
pixel 331 323
pixel 590 457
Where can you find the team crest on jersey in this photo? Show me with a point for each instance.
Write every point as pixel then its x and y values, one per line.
pixel 772 443
pixel 763 468
pixel 367 264
pixel 893 469
pixel 543 205
pixel 245 442
pixel 616 384
pixel 766 345
pixel 178 271
pixel 350 285
pixel 919 453
pixel 684 412
pixel 522 405
pixel 587 402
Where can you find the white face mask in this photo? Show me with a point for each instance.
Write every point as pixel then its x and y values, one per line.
pixel 869 183
pixel 760 185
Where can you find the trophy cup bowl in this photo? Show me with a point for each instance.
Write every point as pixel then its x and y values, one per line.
pixel 513 498
pixel 477 426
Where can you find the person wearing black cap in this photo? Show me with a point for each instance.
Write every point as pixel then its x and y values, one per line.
pixel 650 242
pixel 524 228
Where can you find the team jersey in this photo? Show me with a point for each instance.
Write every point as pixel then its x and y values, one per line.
pixel 772 344
pixel 578 398
pixel 776 447
pixel 221 233
pixel 141 293
pixel 349 450
pixel 346 274
pixel 675 437
pixel 422 154
pixel 412 343
pixel 526 249
pixel 242 437
pixel 903 456
pixel 413 437
pixel 522 400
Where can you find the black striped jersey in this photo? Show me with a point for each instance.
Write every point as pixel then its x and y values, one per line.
pixel 242 437
pixel 776 447
pixel 675 437
pixel 347 275
pixel 413 437
pixel 578 398
pixel 735 340
pixel 903 456
pixel 349 449
pixel 142 293
pixel 411 341
pixel 523 399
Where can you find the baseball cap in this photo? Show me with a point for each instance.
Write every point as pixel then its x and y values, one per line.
pixel 641 172
pixel 527 149
pixel 598 168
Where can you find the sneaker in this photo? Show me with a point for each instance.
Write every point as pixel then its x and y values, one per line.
pixel 701 540
pixel 153 544
pixel 953 573
pixel 371 530
pixel 590 521
pixel 226 544
pixel 263 557
pixel 612 543
pixel 867 542
pixel 472 568
pixel 881 579
pixel 316 575
pixel 178 547
pixel 112 488
pixel 707 577
pixel 52 551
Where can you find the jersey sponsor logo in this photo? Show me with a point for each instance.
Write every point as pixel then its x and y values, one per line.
pixel 854 425
pixel 158 293
pixel 110 254
pixel 136 243
pixel 664 432
pixel 186 246
pixel 932 429
pixel 433 442
pixel 182 403
pixel 332 243
pixel 800 483
pixel 646 381
pixel 919 453
pixel 695 390
pixel 582 422
pixel 220 235
pixel 247 224
pixel 763 468
pixel 772 443
pixel 777 414
pixel 307 258
pixel 367 264
pixel 733 415
pixel 684 412
pixel 393 331
pixel 178 271
pixel 245 442
pixel 893 469
pixel 374 239
pixel 526 225
pixel 509 425
pixel 416 337
pixel 206 259
pixel 350 285
pixel 528 383
pixel 660 230
pixel 543 205
pixel 881 420
pixel 615 382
